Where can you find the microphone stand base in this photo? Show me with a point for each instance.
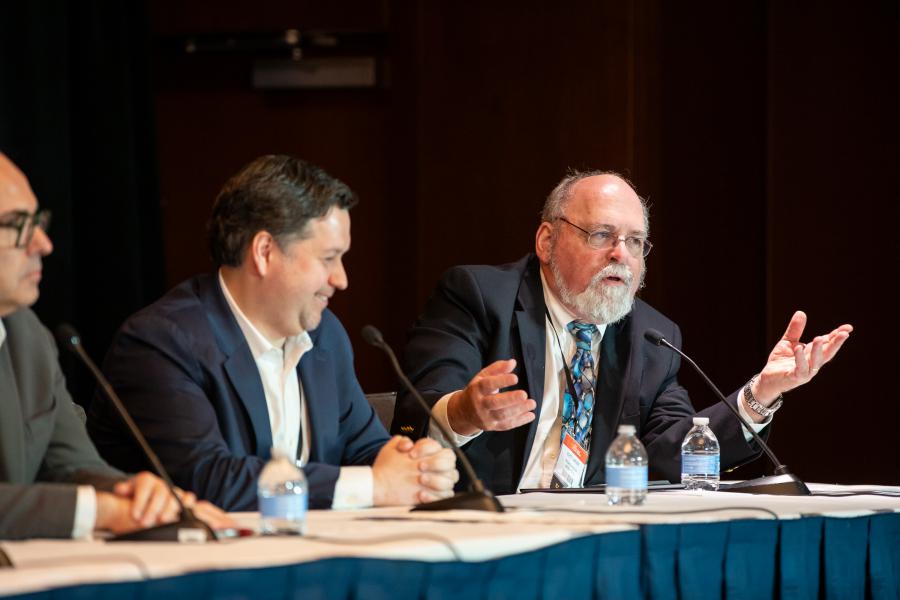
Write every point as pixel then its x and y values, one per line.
pixel 465 501
pixel 180 531
pixel 786 484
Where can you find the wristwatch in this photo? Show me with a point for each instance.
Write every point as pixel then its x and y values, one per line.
pixel 763 411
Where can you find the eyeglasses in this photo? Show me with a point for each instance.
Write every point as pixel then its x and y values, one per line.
pixel 24 224
pixel 637 246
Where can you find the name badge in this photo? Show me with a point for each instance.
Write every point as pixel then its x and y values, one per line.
pixel 571 464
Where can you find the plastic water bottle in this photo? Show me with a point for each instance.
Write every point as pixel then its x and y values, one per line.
pixel 283 497
pixel 700 457
pixel 626 469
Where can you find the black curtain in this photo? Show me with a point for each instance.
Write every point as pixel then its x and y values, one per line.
pixel 76 115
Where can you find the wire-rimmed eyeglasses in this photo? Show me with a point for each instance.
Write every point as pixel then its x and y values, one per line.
pixel 602 239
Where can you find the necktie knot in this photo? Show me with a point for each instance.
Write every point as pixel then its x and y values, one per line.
pixel 583 332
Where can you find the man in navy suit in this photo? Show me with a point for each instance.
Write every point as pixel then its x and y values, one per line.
pixel 229 365
pixel 491 350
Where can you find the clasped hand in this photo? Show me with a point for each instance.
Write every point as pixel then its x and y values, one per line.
pixel 409 473
pixel 144 500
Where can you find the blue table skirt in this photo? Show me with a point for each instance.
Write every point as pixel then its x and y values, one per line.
pixel 809 558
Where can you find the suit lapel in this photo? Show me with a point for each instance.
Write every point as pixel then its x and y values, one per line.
pixel 244 376
pixel 617 364
pixel 532 335
pixel 12 434
pixel 315 373
pixel 239 364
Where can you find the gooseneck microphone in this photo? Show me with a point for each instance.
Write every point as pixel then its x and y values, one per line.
pixel 783 483
pixel 188 527
pixel 478 497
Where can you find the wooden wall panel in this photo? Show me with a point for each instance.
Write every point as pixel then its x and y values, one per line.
pixel 756 130
pixel 508 99
pixel 834 139
pixel 211 123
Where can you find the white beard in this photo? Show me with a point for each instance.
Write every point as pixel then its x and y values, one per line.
pixel 599 303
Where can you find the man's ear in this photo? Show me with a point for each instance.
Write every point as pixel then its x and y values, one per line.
pixel 543 241
pixel 261 250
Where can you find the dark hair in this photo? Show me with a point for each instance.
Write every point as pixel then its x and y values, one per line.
pixel 275 193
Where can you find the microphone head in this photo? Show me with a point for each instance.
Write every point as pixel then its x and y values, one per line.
pixel 654 337
pixel 372 336
pixel 67 337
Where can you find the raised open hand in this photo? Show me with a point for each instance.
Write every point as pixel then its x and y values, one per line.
pixel 793 363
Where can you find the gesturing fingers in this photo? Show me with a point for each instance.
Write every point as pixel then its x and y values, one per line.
pixel 507 410
pixel 504 401
pixel 481 406
pixel 795 327
pixel 816 354
pixel 824 347
pixel 835 340
pixel 491 384
pixel 498 367
pixel 494 377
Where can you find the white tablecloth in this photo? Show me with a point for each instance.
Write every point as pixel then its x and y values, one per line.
pixel 534 521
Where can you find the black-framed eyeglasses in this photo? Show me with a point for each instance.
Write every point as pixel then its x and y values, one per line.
pixel 636 245
pixel 24 224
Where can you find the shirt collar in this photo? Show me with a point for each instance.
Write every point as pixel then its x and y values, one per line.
pixel 2 333
pixel 260 344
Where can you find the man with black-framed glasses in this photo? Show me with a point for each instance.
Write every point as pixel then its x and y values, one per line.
pixel 52 481
pixel 23 224
pixel 534 364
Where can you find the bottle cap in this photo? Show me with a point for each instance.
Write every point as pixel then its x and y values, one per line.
pixel 626 429
pixel 701 420
pixel 281 466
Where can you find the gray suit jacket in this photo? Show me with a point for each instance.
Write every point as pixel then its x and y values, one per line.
pixel 44 446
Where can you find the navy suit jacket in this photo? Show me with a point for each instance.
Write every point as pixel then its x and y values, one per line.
pixel 480 314
pixel 185 371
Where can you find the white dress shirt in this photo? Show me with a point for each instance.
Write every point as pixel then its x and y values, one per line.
pixel 277 362
pixel 544 451
pixel 545 448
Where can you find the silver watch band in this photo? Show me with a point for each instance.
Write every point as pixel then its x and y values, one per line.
pixel 763 411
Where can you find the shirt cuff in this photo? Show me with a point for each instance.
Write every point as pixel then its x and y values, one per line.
pixel 85 512
pixel 439 412
pixel 355 488
pixel 757 427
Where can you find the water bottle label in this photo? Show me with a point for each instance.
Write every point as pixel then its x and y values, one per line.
pixel 286 506
pixel 700 464
pixel 629 478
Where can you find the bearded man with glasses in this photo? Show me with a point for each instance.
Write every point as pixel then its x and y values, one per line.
pixel 518 358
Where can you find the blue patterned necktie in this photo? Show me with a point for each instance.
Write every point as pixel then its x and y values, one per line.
pixel 576 417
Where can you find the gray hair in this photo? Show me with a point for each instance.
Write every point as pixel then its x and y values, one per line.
pixel 562 193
